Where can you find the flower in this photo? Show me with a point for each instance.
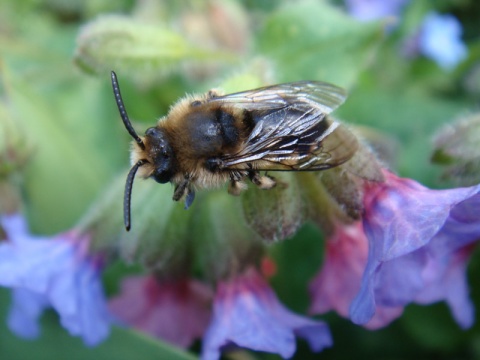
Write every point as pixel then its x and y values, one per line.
pixel 419 240
pixel 339 280
pixel 56 272
pixel 440 40
pixel 446 280
pixel 374 9
pixel 27 306
pixel 176 311
pixel 247 313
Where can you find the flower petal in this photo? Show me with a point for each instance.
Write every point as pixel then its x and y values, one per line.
pixel 409 227
pixel 60 271
pixel 175 311
pixel 447 281
pixel 374 9
pixel 248 314
pixel 25 312
pixel 338 282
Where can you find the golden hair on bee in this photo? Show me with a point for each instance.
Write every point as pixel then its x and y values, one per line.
pixel 208 140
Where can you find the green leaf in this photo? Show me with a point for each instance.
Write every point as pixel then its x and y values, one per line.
pixel 312 40
pixel 66 139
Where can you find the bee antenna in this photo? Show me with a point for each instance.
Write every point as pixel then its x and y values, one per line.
pixel 127 197
pixel 123 112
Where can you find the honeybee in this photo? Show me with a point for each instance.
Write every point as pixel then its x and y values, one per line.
pixel 208 140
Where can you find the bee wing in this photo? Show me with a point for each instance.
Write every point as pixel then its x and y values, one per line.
pixel 291 129
pixel 321 95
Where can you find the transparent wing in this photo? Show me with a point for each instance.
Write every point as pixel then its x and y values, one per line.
pixel 291 130
pixel 316 94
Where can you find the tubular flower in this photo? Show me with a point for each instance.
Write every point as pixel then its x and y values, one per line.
pixel 56 272
pixel 246 313
pixel 419 240
pixel 174 311
pixel 338 282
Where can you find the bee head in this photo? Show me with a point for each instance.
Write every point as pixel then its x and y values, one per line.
pixel 159 154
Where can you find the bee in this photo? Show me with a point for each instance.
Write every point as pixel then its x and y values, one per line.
pixel 208 140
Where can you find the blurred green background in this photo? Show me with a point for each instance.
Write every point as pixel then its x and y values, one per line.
pixel 56 105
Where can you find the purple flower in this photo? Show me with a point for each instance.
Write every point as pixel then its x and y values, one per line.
pixel 440 40
pixel 339 280
pixel 25 312
pixel 175 311
pixel 246 313
pixel 366 10
pixel 56 272
pixel 419 240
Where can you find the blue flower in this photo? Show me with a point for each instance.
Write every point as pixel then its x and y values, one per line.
pixel 419 242
pixel 56 272
pixel 440 40
pixel 246 313
pixel 374 9
pixel 25 313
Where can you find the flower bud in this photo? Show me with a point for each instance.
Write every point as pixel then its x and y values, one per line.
pixel 218 24
pixel 135 47
pixel 14 156
pixel 160 229
pixel 275 214
pixel 456 148
pixel 224 245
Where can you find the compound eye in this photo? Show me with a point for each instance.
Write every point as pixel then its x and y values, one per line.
pixel 161 176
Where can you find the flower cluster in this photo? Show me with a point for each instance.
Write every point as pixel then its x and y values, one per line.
pixel 206 279
pixel 411 245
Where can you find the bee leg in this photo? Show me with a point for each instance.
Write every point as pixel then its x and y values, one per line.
pixel 181 189
pixel 189 198
pixel 236 185
pixel 265 182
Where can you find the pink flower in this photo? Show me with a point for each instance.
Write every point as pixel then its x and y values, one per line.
pixel 176 311
pixel 339 280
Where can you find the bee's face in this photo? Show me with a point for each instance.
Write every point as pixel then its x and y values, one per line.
pixel 160 155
